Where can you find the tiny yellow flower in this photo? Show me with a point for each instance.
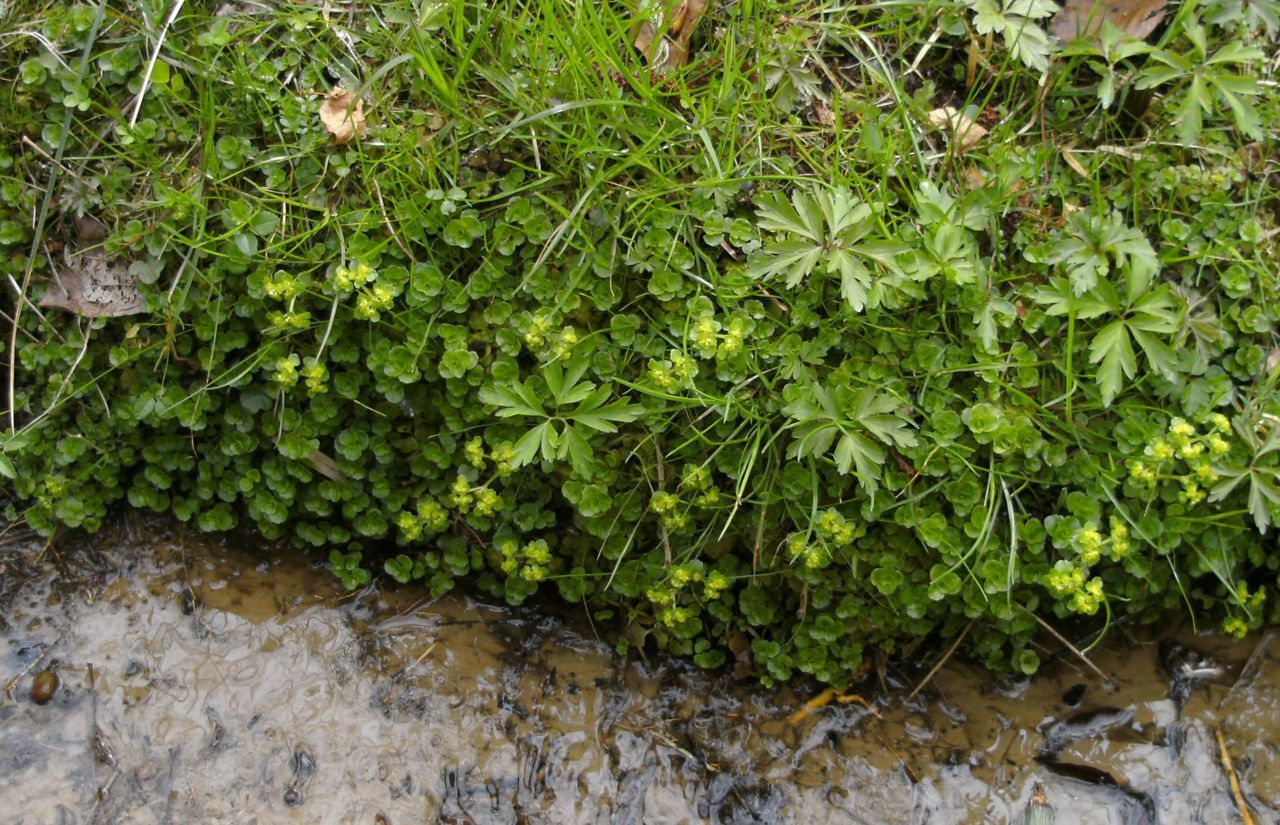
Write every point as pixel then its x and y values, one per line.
pixel 663 503
pixel 1160 450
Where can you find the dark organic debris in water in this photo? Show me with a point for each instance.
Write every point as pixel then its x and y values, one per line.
pixel 304 767
pixel 1038 811
pixel 43 687
pixel 1187 670
pixel 1097 776
pixel 1083 725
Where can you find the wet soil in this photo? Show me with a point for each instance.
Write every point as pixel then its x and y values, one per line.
pixel 201 681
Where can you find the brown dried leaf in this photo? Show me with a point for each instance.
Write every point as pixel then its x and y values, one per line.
pixel 342 113
pixel 672 50
pixel 94 288
pixel 89 229
pixel 1083 18
pixel 965 132
pixel 326 466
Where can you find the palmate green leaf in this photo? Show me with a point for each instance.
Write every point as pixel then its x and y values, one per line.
pixel 530 444
pixel 794 259
pixel 1060 299
pixel 1159 355
pixel 849 420
pixel 575 447
pixel 1114 349
pixel 862 455
pixel 799 216
pixel 1091 245
pixel 602 419
pixel 822 229
pixel 511 400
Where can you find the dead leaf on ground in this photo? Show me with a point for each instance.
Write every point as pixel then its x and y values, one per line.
pixel 94 287
pixel 342 113
pixel 1084 18
pixel 89 229
pixel 326 466
pixel 670 51
pixel 965 131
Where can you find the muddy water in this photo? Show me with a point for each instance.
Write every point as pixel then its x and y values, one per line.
pixel 232 685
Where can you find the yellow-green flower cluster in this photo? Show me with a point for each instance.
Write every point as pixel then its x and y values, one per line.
pixel 286 321
pixel 706 335
pixel 282 286
pixel 316 376
pixel 715 587
pixel 1064 579
pixel 1089 541
pixel 800 551
pixel 1120 544
pixel 563 342
pixel 675 616
pixel 1250 601
pixel 833 526
pixel 695 477
pixel 371 302
pixel 430 516
pixel 1235 626
pixel 530 562
pixel 286 372
pixel 539 328
pixel 665 505
pixel 674 372
pixel 732 343
pixel 474 452
pixel 410 526
pixel 487 503
pixel 683 574
pixel 503 454
pixel 460 497
pixel 1088 598
pixel 1182 442
pixel 348 278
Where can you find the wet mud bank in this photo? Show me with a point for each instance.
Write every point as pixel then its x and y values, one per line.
pixel 156 677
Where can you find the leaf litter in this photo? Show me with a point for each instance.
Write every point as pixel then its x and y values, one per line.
pixel 663 36
pixel 1084 18
pixel 342 114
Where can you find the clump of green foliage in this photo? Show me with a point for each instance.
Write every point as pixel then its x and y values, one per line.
pixel 746 354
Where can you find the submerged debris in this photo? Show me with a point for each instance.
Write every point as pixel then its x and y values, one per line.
pixel 44 686
pixel 1038 811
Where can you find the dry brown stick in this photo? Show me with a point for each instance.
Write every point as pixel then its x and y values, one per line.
pixel 1245 816
pixel 8 688
pixel 934 672
pixel 1079 654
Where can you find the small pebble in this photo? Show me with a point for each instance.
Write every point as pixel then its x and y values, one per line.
pixel 44 686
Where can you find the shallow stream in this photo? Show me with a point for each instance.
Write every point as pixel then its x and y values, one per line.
pixel 210 682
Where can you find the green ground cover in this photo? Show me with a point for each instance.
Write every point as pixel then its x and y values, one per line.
pixel 865 325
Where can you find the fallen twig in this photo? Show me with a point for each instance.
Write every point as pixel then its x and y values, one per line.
pixel 1079 654
pixel 1245 816
pixel 934 671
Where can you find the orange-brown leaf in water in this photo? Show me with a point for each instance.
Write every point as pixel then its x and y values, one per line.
pixel 1083 18
pixel 343 115
pixel 672 50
